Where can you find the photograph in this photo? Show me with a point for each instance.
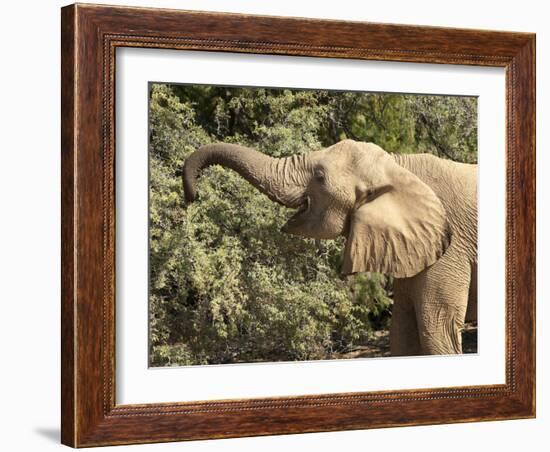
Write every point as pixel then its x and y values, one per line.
pixel 291 224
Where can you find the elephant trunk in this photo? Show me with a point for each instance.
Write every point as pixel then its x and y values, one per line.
pixel 283 180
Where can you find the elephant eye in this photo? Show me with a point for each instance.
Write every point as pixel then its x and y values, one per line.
pixel 319 175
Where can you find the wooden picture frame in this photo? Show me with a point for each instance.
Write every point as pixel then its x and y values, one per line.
pixel 90 35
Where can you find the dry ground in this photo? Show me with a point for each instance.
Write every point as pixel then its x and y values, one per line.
pixel 380 345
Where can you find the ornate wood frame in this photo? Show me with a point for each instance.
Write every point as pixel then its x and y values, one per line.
pixel 90 35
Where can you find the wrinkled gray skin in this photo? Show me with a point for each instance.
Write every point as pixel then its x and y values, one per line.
pixel 413 217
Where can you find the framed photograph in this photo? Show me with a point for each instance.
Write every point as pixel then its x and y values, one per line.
pixel 281 225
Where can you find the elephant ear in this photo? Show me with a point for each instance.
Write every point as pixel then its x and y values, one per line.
pixel 398 227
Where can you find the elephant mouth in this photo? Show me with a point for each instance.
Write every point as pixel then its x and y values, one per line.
pixel 294 220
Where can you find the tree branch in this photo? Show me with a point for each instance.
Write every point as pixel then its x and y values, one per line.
pixel 439 147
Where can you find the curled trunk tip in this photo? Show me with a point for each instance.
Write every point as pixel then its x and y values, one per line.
pixel 193 165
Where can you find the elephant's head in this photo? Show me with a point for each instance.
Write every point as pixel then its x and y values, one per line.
pixel 393 222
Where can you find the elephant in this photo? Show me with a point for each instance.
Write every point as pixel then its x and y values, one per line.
pixel 413 217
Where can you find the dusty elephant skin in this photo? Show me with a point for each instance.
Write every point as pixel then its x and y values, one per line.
pixel 410 216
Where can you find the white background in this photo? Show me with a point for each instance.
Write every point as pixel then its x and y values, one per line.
pixel 137 384
pixel 30 226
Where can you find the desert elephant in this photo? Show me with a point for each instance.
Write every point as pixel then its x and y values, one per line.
pixel 410 216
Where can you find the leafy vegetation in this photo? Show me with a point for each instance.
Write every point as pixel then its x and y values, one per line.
pixel 226 285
